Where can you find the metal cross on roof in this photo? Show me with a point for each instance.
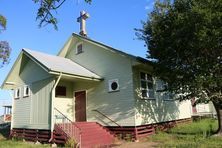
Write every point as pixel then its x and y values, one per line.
pixel 82 20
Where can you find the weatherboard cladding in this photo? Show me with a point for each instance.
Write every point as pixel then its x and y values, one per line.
pixel 118 106
pixel 33 111
pixel 21 114
pixel 40 103
pixel 32 73
pixel 158 109
pixel 104 46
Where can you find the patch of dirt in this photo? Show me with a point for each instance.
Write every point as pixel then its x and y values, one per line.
pixel 139 144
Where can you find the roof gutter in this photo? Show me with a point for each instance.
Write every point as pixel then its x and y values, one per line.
pixel 52 106
pixel 76 76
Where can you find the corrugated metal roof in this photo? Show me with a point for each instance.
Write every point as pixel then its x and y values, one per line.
pixel 59 64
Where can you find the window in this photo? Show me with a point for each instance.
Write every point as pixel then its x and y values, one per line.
pixel 17 93
pixel 162 87
pixel 26 91
pixel 60 91
pixel 79 48
pixel 146 84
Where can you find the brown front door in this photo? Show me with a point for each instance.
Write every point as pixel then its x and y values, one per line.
pixel 80 106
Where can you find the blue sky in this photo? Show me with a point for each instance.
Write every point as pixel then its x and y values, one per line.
pixel 111 22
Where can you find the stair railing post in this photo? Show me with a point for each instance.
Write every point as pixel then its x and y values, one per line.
pixel 136 134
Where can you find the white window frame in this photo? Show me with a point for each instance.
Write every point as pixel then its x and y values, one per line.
pixel 146 80
pixel 24 91
pixel 16 92
pixel 77 52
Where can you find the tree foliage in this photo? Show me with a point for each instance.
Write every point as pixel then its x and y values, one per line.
pixel 3 22
pixel 4 52
pixel 47 11
pixel 184 37
pixel 4 45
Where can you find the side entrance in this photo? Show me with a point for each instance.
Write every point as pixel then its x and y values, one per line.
pixel 80 106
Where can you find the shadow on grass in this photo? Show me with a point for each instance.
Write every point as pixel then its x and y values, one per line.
pixel 5 132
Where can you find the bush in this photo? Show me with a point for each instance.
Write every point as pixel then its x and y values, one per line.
pixel 71 143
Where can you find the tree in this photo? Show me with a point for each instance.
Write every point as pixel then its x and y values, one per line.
pixel 4 46
pixel 184 38
pixel 46 15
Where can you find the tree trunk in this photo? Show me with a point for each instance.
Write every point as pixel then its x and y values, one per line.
pixel 218 108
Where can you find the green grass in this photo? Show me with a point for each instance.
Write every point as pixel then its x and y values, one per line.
pixel 196 134
pixel 205 126
pixel 19 144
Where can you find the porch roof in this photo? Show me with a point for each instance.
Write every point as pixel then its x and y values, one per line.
pixel 56 65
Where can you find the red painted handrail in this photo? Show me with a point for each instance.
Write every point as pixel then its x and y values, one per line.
pixel 7 117
pixel 69 127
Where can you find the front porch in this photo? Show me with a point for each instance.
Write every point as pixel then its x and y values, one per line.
pixel 70 114
pixel 71 99
pixel 74 117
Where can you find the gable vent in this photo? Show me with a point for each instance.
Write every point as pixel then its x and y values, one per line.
pixel 113 85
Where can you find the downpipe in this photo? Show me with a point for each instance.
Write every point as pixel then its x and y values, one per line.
pixel 52 107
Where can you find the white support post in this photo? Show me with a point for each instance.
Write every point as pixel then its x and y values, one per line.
pixel 12 111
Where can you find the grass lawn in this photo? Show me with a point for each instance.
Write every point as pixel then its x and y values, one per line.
pixel 19 144
pixel 197 134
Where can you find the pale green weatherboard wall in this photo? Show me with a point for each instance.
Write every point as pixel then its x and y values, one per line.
pixel 119 106
pixel 33 111
pixel 65 103
pixel 158 109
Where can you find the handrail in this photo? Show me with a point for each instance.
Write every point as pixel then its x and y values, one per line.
pixel 106 117
pixel 67 118
pixel 7 117
pixel 63 114
pixel 69 127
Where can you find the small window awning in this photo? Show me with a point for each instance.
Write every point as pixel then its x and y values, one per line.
pixel 55 65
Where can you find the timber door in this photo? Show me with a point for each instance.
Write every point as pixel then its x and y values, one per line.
pixel 80 106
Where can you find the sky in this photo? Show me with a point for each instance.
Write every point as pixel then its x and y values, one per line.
pixel 111 22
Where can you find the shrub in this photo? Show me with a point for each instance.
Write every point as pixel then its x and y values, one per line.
pixel 71 143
